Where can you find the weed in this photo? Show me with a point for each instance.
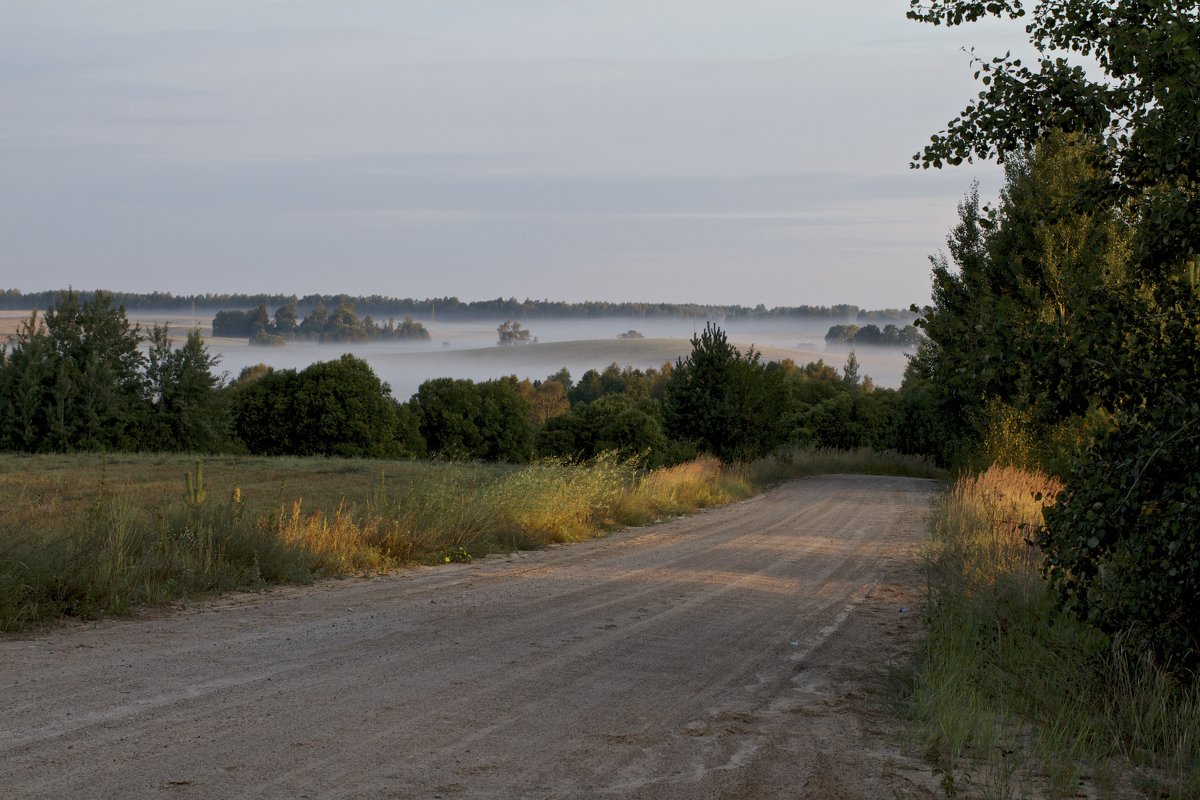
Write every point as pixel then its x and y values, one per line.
pixel 457 556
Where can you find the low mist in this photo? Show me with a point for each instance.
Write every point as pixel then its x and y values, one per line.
pixel 468 349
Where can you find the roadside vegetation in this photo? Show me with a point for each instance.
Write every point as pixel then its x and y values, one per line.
pixel 1060 367
pixel 86 535
pixel 1014 698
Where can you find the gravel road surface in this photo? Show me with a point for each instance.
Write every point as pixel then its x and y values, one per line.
pixel 735 653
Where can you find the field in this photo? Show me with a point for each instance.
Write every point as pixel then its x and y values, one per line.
pixel 88 534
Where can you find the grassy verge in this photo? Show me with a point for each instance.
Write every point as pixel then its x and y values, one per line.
pixel 89 535
pixel 1014 700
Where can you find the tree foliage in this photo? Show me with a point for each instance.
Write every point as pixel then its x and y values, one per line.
pixel 189 413
pixel 489 421
pixel 613 422
pixel 728 403
pixel 330 408
pixel 1072 309
pixel 510 333
pixel 77 379
pixel 1125 73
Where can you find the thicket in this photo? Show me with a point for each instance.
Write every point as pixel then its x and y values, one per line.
pixel 1064 335
pixel 1065 328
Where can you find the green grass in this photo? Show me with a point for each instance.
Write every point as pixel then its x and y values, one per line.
pixel 1012 699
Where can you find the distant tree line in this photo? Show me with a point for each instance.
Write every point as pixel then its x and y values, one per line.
pixel 81 377
pixel 319 325
pixel 888 336
pixel 453 308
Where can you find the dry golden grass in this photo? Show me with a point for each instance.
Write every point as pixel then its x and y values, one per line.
pixel 91 534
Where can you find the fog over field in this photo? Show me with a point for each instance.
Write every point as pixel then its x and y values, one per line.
pixel 468 350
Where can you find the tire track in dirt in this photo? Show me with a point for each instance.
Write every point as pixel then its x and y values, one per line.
pixel 718 655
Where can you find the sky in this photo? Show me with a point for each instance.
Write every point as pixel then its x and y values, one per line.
pixel 720 152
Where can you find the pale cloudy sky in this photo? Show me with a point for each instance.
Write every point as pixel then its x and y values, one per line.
pixel 729 152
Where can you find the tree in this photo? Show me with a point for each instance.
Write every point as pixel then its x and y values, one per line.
pixel 1118 345
pixel 1014 303
pixel 850 374
pixel 1138 97
pixel 234 324
pixel 853 419
pixel 344 325
pixel 330 408
pixel 314 324
pixel 74 379
pixel 260 320
pixel 841 334
pixel 488 421
pixel 511 333
pixel 188 412
pixel 286 319
pixel 614 422
pixel 868 334
pixel 27 380
pixel 547 399
pixel 447 411
pixel 727 403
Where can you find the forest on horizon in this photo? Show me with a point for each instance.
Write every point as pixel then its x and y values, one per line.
pixel 453 307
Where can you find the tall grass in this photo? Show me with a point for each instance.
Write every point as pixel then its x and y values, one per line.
pixel 88 535
pixel 1014 699
pixel 109 543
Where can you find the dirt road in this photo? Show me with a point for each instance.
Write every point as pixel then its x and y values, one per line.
pixel 728 654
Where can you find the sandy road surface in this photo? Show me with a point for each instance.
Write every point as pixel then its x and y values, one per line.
pixel 727 654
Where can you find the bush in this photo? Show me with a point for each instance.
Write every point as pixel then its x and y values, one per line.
pixel 613 422
pixel 1123 545
pixel 331 408
pixel 490 421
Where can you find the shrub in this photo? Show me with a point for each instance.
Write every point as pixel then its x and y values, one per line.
pixel 1122 544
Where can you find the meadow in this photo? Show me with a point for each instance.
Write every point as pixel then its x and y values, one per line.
pixel 87 535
